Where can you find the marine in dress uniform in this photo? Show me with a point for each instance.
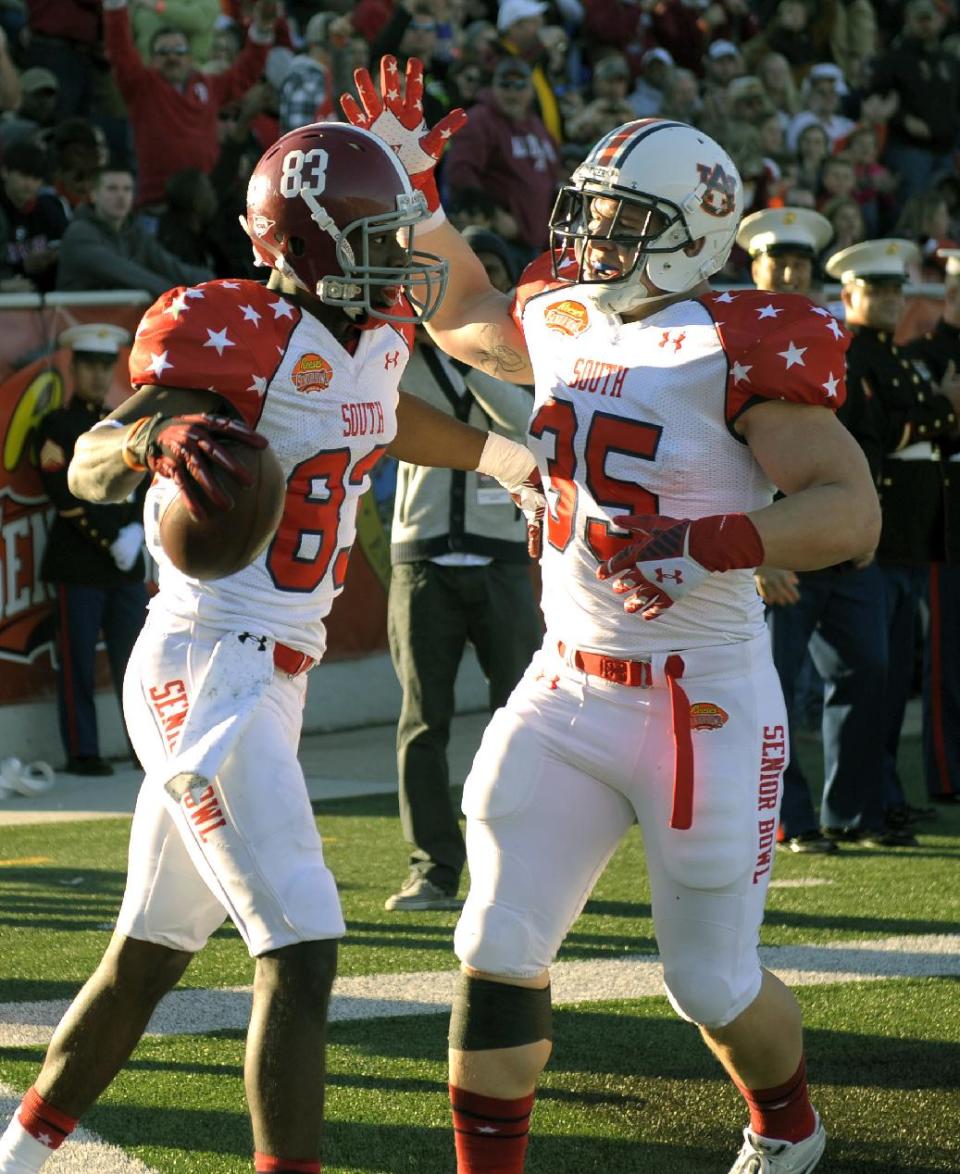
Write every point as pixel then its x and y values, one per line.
pixel 941 677
pixel 94 553
pixel 834 613
pixel 912 414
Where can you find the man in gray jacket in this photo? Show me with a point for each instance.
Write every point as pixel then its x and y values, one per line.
pixel 460 572
pixel 103 248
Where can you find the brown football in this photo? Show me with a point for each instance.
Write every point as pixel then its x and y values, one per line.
pixel 227 540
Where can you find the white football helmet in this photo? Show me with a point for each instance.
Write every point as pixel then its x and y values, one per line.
pixel 689 188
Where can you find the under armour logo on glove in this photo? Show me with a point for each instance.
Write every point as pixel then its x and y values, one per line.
pixel 395 115
pixel 675 555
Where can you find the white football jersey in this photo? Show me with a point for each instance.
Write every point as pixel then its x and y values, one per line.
pixel 638 418
pixel 328 414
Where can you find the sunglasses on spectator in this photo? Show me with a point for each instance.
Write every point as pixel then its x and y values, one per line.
pixel 171 51
pixel 511 83
pixel 424 26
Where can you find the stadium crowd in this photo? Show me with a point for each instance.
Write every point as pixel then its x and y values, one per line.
pixel 128 132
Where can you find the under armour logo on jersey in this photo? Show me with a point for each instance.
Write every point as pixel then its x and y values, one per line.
pixel 719 190
pixel 261 641
pixel 677 340
pixel 661 574
pixel 391 360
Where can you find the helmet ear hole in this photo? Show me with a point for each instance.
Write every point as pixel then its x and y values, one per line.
pixel 298 246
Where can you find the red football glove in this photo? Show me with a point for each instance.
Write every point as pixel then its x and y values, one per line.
pixel 395 115
pixel 189 449
pixel 530 498
pixel 674 556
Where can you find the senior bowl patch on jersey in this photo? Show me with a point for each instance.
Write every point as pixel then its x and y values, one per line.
pixel 704 715
pixel 566 317
pixel 311 373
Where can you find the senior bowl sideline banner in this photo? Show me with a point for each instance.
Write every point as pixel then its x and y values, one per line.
pixel 34 380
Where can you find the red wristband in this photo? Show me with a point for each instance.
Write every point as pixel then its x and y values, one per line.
pixel 726 542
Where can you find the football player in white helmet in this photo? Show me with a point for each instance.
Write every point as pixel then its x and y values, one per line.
pixel 665 414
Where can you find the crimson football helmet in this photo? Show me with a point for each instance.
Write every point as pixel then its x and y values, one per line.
pixel 324 207
pixel 684 188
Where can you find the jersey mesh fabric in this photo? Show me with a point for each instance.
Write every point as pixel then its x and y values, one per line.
pixel 328 415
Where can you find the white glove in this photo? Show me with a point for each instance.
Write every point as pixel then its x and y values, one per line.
pixel 515 467
pixel 125 548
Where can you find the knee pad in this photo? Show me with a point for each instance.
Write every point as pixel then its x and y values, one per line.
pixel 496 940
pixel 706 998
pixel 489 1015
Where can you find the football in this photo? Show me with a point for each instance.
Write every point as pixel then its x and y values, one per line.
pixel 227 540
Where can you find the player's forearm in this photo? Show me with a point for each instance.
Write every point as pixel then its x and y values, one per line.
pixel 820 526
pixel 428 437
pixel 98 471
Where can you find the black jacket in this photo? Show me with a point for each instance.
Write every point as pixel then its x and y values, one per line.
pixel 78 546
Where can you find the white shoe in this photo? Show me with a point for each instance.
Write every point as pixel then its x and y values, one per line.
pixel 767 1155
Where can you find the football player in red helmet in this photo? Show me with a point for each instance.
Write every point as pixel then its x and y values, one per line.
pixel 309 363
pixel 664 415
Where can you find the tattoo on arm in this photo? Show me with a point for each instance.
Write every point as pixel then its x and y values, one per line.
pixel 497 359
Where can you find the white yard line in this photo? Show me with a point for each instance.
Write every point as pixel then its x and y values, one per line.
pixel 381 996
pixel 84 1153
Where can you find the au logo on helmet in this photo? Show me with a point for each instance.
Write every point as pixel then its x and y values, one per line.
pixel 567 317
pixel 720 190
pixel 311 373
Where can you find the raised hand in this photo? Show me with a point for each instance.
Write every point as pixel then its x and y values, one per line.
pixel 189 450
pixel 394 113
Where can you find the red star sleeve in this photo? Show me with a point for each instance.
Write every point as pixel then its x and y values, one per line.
pixel 227 337
pixel 779 346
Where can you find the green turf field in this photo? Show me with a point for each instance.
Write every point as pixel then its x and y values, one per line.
pixel 630 1087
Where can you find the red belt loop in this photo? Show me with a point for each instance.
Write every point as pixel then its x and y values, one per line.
pixel 291 661
pixel 682 815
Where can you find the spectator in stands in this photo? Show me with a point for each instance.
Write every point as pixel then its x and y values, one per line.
pixel 104 248
pixel 239 152
pixel 812 149
pixel 820 94
pixel 37 111
pixel 875 184
pixel 505 148
pixel 494 255
pixel 310 89
pixel 607 105
pixel 75 147
pixel 846 220
pixel 787 32
pixel 481 45
pixel 774 71
pixel 837 179
pixel 721 64
pixel 465 80
pixel 648 95
pixel 196 19
pixel 226 44
pixel 172 107
pixel 925 220
pixel 31 223
pixel 476 208
pixel 925 127
pixel 184 229
pixel 412 32
pixel 519 23
pixel 681 97
pixel 65 37
pixel 93 555
pixel 10 80
pixel 685 28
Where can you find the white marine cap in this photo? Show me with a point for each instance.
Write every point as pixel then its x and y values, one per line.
pixel 882 260
pixel 952 257
pixel 96 338
pixel 513 10
pixel 773 229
